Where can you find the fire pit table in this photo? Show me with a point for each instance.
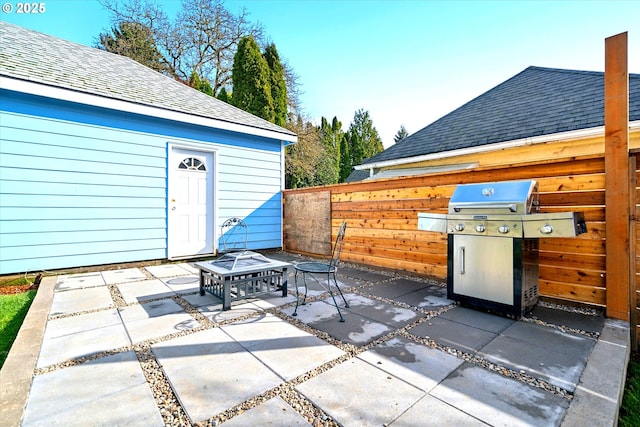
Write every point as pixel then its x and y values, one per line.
pixel 242 275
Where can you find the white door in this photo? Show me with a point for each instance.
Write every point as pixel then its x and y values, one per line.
pixel 190 221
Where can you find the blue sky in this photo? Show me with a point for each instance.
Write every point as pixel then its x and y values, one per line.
pixel 406 62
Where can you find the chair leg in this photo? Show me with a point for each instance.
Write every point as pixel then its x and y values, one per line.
pixel 334 298
pixel 335 280
pixel 304 299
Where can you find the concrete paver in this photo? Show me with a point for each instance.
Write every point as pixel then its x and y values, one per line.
pixel 549 354
pixel 210 372
pixel 453 334
pixel 123 275
pixel 65 326
pixel 287 350
pixel 144 290
pixel 429 298
pixel 356 393
pixel 394 288
pixel 382 312
pixel 87 339
pixel 155 319
pixel 183 284
pixel 274 412
pixel 361 330
pixel 477 319
pixel 168 270
pixel 79 395
pixel 216 314
pixel 498 400
pixel 417 364
pixel 79 281
pixel 438 413
pixel 78 300
pixel 568 319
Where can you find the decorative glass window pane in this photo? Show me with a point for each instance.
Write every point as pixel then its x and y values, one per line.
pixel 191 163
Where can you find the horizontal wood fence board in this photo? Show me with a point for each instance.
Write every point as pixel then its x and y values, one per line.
pixel 572 292
pixel 582 261
pixel 388 205
pixel 593 181
pixel 439 272
pixel 572 275
pixel 384 215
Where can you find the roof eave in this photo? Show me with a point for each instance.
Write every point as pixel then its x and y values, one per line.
pixel 562 136
pixel 54 92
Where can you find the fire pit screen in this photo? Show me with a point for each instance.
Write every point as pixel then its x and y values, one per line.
pixel 492 252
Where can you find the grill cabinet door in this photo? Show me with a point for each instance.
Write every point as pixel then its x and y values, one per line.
pixel 483 268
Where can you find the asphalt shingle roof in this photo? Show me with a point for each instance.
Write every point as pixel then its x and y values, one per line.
pixel 538 101
pixel 36 57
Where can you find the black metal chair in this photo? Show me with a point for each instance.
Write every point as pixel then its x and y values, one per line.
pixel 329 269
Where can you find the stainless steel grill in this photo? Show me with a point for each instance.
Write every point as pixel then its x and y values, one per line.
pixel 492 252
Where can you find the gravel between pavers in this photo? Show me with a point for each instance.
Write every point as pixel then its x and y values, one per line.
pixel 174 415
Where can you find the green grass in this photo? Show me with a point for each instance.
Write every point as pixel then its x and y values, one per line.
pixel 630 407
pixel 13 309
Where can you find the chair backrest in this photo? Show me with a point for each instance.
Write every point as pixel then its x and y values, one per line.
pixel 234 233
pixel 337 246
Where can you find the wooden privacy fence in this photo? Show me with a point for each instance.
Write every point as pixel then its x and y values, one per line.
pixel 382 218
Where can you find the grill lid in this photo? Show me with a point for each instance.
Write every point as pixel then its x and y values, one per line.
pixel 504 197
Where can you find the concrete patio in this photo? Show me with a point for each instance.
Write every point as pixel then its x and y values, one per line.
pixel 140 346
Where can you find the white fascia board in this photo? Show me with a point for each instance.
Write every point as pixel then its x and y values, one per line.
pixel 563 136
pixel 39 89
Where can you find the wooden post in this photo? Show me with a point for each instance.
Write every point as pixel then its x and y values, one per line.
pixel 633 316
pixel 617 211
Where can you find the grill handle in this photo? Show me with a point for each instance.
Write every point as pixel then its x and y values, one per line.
pixel 461 259
pixel 513 207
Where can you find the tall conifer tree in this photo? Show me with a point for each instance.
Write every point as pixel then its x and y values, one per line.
pixel 252 80
pixel 278 85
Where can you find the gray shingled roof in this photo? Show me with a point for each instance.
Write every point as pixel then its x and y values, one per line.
pixel 37 57
pixel 538 101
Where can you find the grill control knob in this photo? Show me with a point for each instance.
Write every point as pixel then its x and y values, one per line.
pixel 503 229
pixel 459 227
pixel 480 228
pixel 546 229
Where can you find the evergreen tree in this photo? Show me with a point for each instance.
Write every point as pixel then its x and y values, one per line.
pixel 401 134
pixel 331 135
pixel 136 41
pixel 278 85
pixel 225 96
pixel 364 139
pixel 251 80
pixel 346 164
pixel 202 85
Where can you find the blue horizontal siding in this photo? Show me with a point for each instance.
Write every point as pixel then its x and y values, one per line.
pixel 17 173
pixel 127 225
pixel 56 262
pixel 121 121
pixel 10 214
pixel 79 189
pixel 88 186
pixel 72 249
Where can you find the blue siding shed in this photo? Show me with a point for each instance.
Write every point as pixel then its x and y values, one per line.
pixel 103 160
